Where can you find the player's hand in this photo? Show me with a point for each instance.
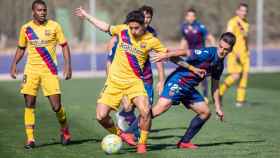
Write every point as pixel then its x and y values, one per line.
pixel 80 12
pixel 156 57
pixel 13 72
pixel 159 87
pixel 200 72
pixel 220 114
pixel 67 72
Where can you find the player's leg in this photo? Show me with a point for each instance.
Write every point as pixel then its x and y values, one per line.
pixel 142 104
pixel 162 105
pixel 29 120
pixel 234 69
pixel 109 100
pixel 242 86
pixel 55 101
pixel 125 117
pixel 29 88
pixel 197 104
pixel 204 84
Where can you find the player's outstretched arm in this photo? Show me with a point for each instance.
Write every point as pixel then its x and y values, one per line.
pixel 217 98
pixel 67 70
pixel 101 25
pixel 181 62
pixel 18 56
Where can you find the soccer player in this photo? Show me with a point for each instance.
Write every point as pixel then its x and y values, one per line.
pixel 180 85
pixel 125 75
pixel 127 116
pixel 238 61
pixel 40 37
pixel 195 36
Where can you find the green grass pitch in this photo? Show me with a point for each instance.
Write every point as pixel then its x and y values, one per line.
pixel 251 132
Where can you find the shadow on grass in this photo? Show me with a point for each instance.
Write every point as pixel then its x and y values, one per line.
pixel 230 143
pixel 73 142
pixel 167 129
pixel 155 147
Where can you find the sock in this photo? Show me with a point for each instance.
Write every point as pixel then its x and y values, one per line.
pixel 143 137
pixel 241 90
pixel 227 83
pixel 193 129
pixel 29 122
pixel 61 117
pixel 114 130
pixel 129 116
pixel 134 128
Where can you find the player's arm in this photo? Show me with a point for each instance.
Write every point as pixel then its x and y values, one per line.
pixel 184 44
pixel 217 98
pixel 181 62
pixel 67 71
pixel 161 76
pixel 101 25
pixel 18 56
pixel 110 46
pixel 210 40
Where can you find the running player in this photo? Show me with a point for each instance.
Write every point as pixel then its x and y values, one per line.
pixel 238 61
pixel 195 36
pixel 127 116
pixel 40 37
pixel 180 85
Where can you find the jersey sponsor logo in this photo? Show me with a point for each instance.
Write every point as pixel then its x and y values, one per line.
pixel 130 49
pixel 38 43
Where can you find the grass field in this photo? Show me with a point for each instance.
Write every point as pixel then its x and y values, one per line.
pixel 252 131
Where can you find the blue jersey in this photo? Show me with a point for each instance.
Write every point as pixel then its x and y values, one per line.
pixel 195 34
pixel 205 58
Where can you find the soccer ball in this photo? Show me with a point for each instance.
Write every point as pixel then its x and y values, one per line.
pixel 111 144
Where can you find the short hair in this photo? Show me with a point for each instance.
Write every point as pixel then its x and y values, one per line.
pixel 135 16
pixel 38 2
pixel 148 9
pixel 242 4
pixel 229 38
pixel 191 10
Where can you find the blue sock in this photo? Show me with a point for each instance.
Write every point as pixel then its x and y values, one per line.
pixel 134 128
pixel 193 129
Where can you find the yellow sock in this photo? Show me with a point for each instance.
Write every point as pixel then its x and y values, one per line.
pixel 143 137
pixel 29 122
pixel 61 116
pixel 227 83
pixel 114 130
pixel 241 94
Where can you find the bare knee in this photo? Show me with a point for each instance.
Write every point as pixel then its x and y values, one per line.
pixel 235 76
pixel 102 112
pixel 205 113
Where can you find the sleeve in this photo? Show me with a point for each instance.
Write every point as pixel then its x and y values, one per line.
pixel 230 25
pixel 22 40
pixel 182 29
pixel 60 35
pixel 158 46
pixel 217 71
pixel 116 29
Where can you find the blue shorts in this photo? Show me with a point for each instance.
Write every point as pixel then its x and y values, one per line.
pixel 150 92
pixel 177 93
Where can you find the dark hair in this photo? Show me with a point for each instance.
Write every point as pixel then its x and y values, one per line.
pixel 147 9
pixel 38 2
pixel 229 38
pixel 191 10
pixel 135 16
pixel 243 5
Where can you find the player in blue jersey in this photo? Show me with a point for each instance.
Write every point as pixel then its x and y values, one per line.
pixel 126 116
pixel 180 85
pixel 195 36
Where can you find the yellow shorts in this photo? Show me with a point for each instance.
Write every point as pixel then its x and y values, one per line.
pixel 33 81
pixel 237 64
pixel 112 92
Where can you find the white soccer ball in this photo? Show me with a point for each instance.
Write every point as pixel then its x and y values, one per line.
pixel 111 144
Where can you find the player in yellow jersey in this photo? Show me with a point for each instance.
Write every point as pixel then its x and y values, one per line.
pixel 238 62
pixel 40 37
pixel 125 75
